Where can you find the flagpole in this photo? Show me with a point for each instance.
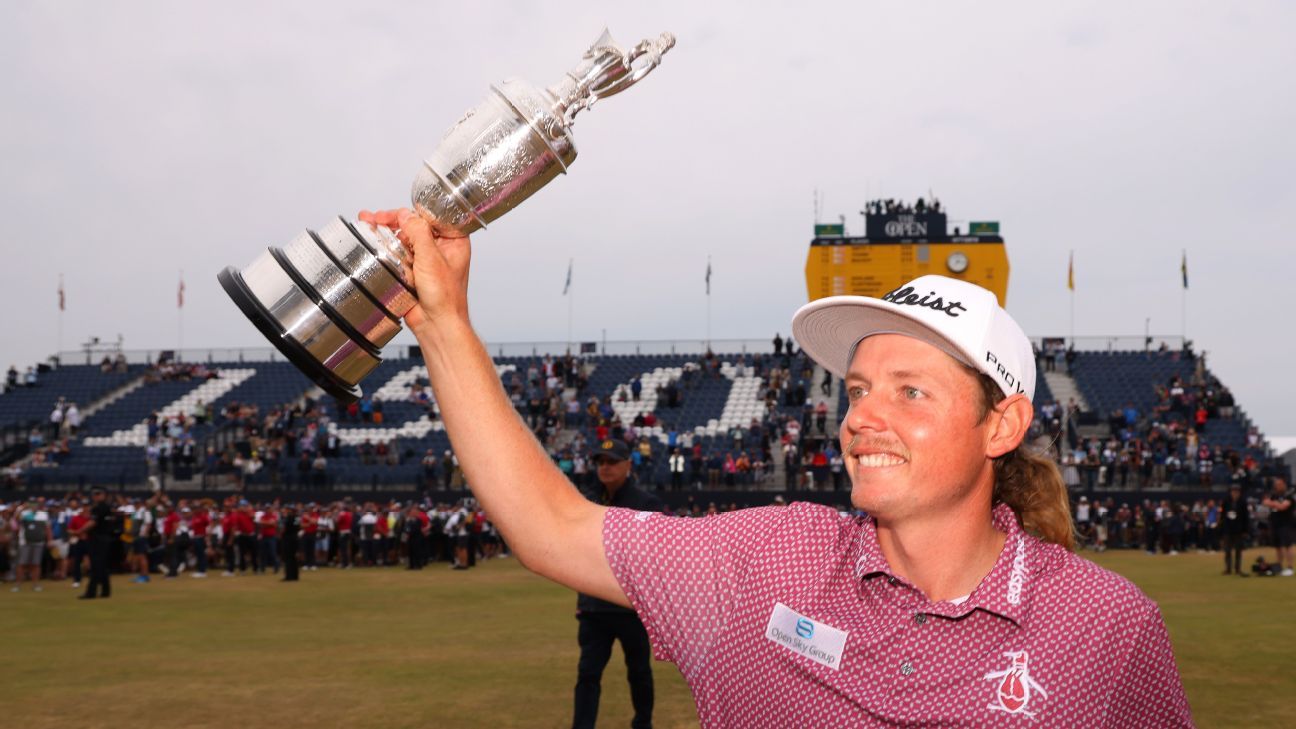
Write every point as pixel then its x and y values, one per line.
pixel 708 293
pixel 59 343
pixel 1183 300
pixel 180 319
pixel 567 293
pixel 1071 285
pixel 571 296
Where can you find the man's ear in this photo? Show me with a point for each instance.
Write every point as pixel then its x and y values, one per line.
pixel 1010 420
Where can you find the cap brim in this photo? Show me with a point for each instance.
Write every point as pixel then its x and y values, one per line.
pixel 830 328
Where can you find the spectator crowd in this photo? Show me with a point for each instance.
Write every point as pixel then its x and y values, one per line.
pixel 46 539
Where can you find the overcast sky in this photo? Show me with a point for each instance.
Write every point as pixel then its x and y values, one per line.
pixel 140 139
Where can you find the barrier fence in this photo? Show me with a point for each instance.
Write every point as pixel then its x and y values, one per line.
pixel 597 348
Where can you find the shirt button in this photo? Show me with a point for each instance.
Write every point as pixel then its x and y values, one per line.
pixel 919 618
pixel 892 581
pixel 906 668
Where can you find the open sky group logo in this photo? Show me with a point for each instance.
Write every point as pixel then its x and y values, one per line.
pixel 804 628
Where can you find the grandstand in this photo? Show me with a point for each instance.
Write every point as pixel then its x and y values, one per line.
pixel 245 424
pixel 751 422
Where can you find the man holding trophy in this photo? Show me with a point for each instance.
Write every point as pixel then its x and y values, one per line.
pixel 955 601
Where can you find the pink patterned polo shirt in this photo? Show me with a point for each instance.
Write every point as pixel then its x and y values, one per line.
pixel 791 617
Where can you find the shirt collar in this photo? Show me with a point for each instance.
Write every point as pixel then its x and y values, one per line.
pixel 1004 591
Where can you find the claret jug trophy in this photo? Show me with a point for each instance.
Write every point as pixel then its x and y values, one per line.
pixel 332 297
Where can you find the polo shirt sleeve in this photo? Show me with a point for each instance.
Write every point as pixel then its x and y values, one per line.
pixel 681 574
pixel 1148 690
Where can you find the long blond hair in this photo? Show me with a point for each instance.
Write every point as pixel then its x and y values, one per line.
pixel 1030 483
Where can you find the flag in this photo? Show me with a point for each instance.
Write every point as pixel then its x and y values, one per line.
pixel 567 286
pixel 62 297
pixel 708 277
pixel 1071 272
pixel 1183 268
pixel 180 293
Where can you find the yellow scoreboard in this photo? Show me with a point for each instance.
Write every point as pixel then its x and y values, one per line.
pixel 880 263
pixel 873 269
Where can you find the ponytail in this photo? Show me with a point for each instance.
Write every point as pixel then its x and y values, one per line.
pixel 1029 482
pixel 1031 485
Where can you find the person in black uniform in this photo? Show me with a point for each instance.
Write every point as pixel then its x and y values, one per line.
pixel 415 538
pixel 602 623
pixel 103 530
pixel 1282 523
pixel 289 542
pixel 1235 523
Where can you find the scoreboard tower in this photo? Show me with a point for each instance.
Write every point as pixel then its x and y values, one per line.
pixel 900 246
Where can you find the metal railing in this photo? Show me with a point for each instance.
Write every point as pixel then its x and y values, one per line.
pixel 1117 342
pixel 593 348
pixel 397 351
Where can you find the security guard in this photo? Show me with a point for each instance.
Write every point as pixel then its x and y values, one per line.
pixel 103 529
pixel 601 622
pixel 290 544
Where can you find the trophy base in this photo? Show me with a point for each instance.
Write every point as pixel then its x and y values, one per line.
pixel 232 281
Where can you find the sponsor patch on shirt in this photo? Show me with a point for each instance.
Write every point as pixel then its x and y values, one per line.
pixel 820 642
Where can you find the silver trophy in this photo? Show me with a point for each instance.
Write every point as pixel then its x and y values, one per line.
pixel 333 297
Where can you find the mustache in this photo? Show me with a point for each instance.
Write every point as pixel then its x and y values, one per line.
pixel 874 443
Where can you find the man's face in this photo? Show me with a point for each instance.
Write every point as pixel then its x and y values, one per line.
pixel 612 472
pixel 913 438
pixel 1280 485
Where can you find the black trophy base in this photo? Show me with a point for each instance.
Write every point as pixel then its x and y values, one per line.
pixel 232 281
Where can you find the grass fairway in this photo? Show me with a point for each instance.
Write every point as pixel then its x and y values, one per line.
pixel 493 647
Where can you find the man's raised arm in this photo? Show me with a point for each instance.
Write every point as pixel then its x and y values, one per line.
pixel 551 528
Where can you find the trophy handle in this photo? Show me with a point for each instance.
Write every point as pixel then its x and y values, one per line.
pixel 607 70
pixel 651 50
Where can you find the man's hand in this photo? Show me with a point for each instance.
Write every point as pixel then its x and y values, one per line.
pixel 438 267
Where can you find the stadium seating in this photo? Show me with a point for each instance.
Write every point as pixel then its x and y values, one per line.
pixel 1110 380
pixel 82 384
pixel 112 445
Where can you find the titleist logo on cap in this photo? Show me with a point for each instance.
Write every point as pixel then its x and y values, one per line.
pixel 905 296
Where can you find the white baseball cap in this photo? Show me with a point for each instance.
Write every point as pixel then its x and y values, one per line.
pixel 959 318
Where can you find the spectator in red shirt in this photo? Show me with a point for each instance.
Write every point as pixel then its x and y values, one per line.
pixel 228 542
pixel 78 550
pixel 819 468
pixel 245 536
pixel 173 551
pixel 345 520
pixel 268 540
pixel 199 524
pixel 309 530
pixel 382 536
